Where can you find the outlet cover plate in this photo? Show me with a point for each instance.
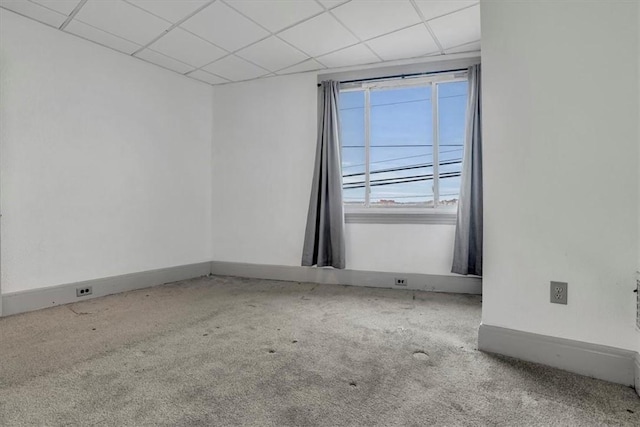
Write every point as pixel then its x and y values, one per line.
pixel 558 292
pixel 638 301
pixel 84 291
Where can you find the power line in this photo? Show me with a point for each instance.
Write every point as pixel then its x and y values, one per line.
pixel 389 146
pixel 403 168
pixel 402 145
pixel 403 180
pixel 402 102
pixel 426 99
pixel 419 166
pixel 414 145
pixel 390 160
pixel 400 158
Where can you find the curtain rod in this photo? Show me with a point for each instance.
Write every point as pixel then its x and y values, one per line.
pixel 401 76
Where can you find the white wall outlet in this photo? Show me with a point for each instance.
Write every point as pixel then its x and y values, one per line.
pixel 83 292
pixel 401 281
pixel 637 291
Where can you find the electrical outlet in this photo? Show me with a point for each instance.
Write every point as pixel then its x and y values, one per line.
pixel 558 291
pixel 401 281
pixel 83 292
pixel 637 291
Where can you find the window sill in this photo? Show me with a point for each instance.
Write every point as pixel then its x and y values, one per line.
pixel 441 216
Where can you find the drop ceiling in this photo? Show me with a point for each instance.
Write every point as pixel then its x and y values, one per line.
pixel 222 41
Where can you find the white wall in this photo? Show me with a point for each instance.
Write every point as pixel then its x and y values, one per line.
pixel 105 161
pixel 405 248
pixel 264 148
pixel 561 167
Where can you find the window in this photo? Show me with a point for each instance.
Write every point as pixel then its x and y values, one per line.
pixel 403 141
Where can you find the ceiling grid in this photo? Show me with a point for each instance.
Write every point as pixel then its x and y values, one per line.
pixel 222 41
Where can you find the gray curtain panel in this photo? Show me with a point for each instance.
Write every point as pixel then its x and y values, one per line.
pixel 324 236
pixel 467 253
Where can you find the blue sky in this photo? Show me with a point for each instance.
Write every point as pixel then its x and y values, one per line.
pixel 402 137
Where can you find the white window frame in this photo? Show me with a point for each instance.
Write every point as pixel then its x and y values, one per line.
pixel 403 215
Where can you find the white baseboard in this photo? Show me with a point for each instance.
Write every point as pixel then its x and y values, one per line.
pixel 415 281
pixel 20 302
pixel 23 301
pixel 596 361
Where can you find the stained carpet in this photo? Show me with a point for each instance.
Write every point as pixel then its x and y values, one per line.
pixel 229 351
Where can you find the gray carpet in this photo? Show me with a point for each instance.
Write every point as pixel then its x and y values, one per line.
pixel 228 351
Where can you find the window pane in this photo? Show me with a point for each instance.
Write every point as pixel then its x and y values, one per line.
pixel 452 104
pixel 401 153
pixel 352 139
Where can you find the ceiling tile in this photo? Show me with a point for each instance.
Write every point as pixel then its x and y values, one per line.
pixel 272 54
pixel 63 6
pixel 457 28
pixel 354 55
pixel 203 76
pixel 186 47
pixel 123 20
pixel 34 11
pixel 276 14
pixel 331 3
pixel 319 35
pixel 88 32
pixel 408 43
pixel 235 69
pixel 171 10
pixel 308 65
pixel 225 27
pixel 369 19
pixel 433 8
pixel 164 61
pixel 469 47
